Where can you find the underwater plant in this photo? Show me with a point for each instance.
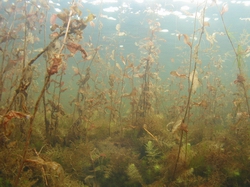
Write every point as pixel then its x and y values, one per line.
pixel 239 55
pixel 140 94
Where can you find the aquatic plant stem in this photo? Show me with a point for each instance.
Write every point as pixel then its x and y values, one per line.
pixel 23 75
pixel 3 59
pixel 187 109
pixel 25 36
pixel 2 79
pixel 60 51
pixel 29 64
pixel 66 32
pixel 121 99
pixel 237 59
pixel 44 95
pixel 47 80
pixel 143 103
pixel 32 61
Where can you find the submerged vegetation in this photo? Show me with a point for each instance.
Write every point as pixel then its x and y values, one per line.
pixel 78 109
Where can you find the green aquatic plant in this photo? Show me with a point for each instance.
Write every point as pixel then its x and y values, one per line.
pixel 151 151
pixel 134 174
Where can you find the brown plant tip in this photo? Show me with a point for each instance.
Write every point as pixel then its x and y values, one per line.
pixel 240 79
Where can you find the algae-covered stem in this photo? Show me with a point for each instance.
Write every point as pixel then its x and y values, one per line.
pixel 47 80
